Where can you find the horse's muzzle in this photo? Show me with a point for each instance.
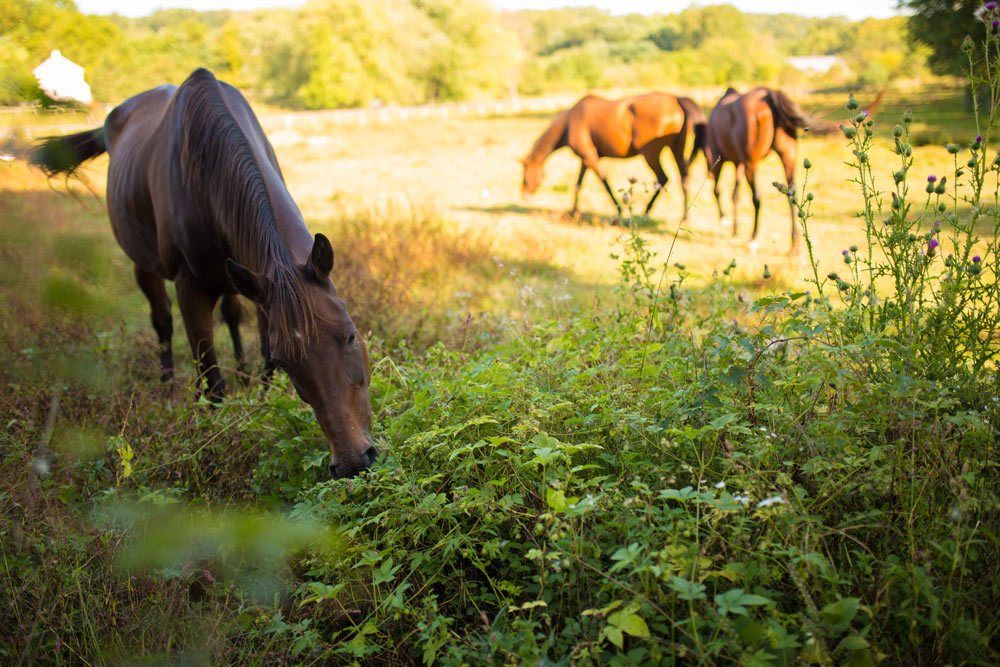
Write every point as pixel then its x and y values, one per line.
pixel 338 471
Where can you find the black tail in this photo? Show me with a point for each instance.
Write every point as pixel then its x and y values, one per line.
pixel 788 115
pixel 694 120
pixel 64 155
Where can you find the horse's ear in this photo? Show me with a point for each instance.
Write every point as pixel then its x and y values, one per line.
pixel 246 282
pixel 321 258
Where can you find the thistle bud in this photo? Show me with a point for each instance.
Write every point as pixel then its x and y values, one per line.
pixel 852 102
pixel 767 272
pixel 897 131
pixel 848 131
pixel 807 164
pixel 953 148
pixel 907 117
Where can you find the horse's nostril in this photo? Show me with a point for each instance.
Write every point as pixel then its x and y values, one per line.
pixel 371 453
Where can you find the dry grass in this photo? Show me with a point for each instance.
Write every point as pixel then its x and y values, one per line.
pixel 375 188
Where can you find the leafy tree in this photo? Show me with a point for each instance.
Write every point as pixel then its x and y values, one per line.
pixel 942 25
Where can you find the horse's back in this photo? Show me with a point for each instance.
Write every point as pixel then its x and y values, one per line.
pixel 741 126
pixel 655 116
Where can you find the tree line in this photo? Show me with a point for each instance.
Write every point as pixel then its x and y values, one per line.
pixel 350 53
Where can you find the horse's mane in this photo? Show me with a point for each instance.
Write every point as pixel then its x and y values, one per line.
pixel 218 163
pixel 550 138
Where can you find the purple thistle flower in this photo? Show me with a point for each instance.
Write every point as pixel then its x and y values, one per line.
pixel 976 259
pixel 990 6
pixel 932 179
pixel 843 252
pixel 932 244
pixel 979 138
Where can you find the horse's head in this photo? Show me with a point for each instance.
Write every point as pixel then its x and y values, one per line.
pixel 533 174
pixel 328 366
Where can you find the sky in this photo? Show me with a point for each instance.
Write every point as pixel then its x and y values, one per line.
pixel 854 9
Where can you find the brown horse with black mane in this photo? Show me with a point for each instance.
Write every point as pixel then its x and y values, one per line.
pixel 195 195
pixel 743 129
pixel 644 125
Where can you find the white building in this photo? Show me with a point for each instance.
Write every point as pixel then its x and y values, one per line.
pixel 816 64
pixel 62 79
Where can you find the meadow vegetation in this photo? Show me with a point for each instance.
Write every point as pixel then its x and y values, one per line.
pixel 601 444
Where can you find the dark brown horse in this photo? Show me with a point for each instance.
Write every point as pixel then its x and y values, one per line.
pixel 743 129
pixel 195 195
pixel 644 125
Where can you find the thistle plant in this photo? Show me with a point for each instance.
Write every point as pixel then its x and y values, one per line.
pixel 924 283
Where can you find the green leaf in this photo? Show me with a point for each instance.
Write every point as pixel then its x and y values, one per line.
pixel 720 423
pixel 736 602
pixel 614 635
pixel 838 615
pixel 556 499
pixel 632 624
pixel 687 590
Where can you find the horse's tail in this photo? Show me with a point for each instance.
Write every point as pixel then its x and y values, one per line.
pixel 788 115
pixel 64 155
pixel 696 123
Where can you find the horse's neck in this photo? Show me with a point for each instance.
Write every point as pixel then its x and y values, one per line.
pixel 287 217
pixel 551 140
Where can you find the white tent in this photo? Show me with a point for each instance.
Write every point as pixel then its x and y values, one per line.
pixel 62 79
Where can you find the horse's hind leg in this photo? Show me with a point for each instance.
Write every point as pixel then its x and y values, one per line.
pixel 196 304
pixel 737 176
pixel 232 315
pixel 653 160
pixel 717 191
pixel 751 173
pixel 576 193
pixel 159 302
pixel 682 167
pixel 787 149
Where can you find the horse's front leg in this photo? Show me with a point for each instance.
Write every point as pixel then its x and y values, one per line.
pixel 197 304
pixel 232 315
pixel 265 346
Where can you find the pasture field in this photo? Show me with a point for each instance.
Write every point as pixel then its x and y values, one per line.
pixel 603 443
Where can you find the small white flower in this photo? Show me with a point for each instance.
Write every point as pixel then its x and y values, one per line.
pixel 773 500
pixel 720 485
pixel 742 500
pixel 41 466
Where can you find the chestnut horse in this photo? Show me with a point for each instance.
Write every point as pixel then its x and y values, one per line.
pixel 195 195
pixel 743 129
pixel 644 125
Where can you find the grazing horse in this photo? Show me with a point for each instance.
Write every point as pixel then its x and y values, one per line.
pixel 743 129
pixel 195 195
pixel 643 125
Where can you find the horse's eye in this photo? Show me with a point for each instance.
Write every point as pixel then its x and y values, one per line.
pixel 350 339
